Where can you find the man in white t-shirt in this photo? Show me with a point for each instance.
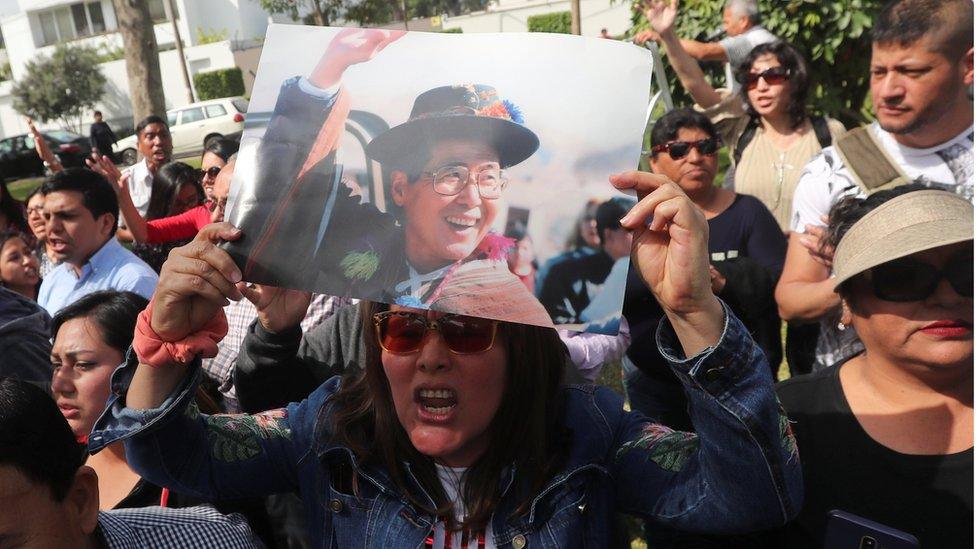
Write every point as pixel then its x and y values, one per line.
pixel 156 148
pixel 743 30
pixel 921 71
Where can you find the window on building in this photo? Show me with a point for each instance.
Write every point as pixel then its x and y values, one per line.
pixel 70 22
pixel 157 10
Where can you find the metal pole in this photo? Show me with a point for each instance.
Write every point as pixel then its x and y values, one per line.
pixel 179 52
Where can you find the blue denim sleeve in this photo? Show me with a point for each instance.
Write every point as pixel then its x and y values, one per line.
pixel 208 456
pixel 739 472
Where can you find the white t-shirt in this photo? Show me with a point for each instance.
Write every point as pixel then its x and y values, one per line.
pixel 826 180
pixel 140 185
pixel 452 479
pixel 737 48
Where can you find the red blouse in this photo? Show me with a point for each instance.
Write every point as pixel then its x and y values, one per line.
pixel 177 227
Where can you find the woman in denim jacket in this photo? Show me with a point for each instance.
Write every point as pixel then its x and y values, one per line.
pixel 468 436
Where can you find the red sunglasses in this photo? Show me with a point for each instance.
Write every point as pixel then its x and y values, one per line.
pixel 403 332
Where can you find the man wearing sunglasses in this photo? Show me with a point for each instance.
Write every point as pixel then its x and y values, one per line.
pixel 921 74
pixel 446 172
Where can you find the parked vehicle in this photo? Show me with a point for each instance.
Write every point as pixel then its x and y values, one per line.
pixel 19 159
pixel 193 126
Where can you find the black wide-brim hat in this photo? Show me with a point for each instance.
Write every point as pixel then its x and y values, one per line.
pixel 472 111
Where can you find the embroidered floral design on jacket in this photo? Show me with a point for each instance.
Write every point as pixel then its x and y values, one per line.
pixel 235 437
pixel 668 448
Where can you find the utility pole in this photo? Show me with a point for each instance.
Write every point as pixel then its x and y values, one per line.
pixel 574 11
pixel 179 52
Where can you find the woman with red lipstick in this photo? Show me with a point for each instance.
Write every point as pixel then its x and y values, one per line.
pixel 888 435
pixel 458 431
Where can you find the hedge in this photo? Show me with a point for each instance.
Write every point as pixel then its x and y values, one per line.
pixel 219 83
pixel 560 21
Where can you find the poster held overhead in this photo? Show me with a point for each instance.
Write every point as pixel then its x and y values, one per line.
pixel 389 166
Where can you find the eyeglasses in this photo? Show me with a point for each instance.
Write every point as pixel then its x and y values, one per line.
pixel 451 180
pixel 773 76
pixel 39 210
pixel 680 149
pixel 402 332
pixel 210 172
pixel 906 279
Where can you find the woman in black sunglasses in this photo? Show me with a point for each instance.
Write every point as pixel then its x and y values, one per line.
pixel 458 431
pixel 770 134
pixel 888 434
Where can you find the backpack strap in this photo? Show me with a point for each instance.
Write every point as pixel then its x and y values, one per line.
pixel 744 138
pixel 869 163
pixel 822 131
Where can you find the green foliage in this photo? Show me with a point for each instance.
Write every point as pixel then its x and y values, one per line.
pixel 833 35
pixel 5 72
pixel 561 22
pixel 457 30
pixel 61 87
pixel 219 83
pixel 107 52
pixel 209 36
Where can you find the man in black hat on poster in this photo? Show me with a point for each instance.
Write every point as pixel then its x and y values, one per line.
pixel 446 169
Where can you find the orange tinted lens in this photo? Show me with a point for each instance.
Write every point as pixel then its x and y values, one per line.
pixel 466 334
pixel 402 333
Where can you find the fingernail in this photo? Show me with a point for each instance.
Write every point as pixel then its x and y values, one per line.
pixel 625 220
pixel 235 276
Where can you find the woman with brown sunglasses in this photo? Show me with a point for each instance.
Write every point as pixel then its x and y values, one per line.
pixel 457 431
pixel 766 124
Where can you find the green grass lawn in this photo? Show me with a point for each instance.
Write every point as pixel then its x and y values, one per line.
pixel 21 187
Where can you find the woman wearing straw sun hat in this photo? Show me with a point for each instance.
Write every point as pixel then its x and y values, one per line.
pixel 888 435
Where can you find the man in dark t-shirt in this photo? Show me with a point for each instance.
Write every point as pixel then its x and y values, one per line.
pixel 102 137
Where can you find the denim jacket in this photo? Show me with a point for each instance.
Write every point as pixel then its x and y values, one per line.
pixel 739 473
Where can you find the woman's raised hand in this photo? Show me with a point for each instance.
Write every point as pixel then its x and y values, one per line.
pixel 195 283
pixel 670 252
pixel 349 47
pixel 661 14
pixel 106 168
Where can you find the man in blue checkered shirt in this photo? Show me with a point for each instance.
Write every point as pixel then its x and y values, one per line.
pixel 49 498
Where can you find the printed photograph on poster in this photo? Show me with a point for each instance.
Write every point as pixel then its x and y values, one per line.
pixel 461 173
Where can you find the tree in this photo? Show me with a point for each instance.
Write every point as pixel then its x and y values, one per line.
pixel 320 12
pixel 832 34
pixel 63 87
pixel 368 12
pixel 141 58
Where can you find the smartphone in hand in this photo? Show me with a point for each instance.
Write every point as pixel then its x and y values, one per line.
pixel 849 531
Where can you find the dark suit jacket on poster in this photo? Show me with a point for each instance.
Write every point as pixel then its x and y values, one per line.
pixel 335 245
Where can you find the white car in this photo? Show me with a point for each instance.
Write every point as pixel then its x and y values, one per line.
pixel 193 126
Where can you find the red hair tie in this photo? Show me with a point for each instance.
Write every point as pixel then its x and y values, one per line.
pixel 152 350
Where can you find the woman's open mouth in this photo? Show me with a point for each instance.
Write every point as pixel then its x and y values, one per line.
pixel 436 404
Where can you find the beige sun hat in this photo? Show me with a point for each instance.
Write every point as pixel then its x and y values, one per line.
pixel 910 223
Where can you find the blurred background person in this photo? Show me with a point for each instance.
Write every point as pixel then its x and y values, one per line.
pixel 102 137
pixel 19 267
pixel 521 258
pixel 35 219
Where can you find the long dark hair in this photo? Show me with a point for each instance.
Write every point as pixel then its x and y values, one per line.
pixel 365 421
pixel 112 311
pixel 13 210
pixel 166 185
pixel 791 59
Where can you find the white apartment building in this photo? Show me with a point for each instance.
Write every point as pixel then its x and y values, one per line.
pixel 32 28
pixel 512 16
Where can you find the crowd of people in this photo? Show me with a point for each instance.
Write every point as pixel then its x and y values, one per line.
pixel 150 396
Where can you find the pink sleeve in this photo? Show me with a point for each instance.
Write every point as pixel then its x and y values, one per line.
pixel 177 227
